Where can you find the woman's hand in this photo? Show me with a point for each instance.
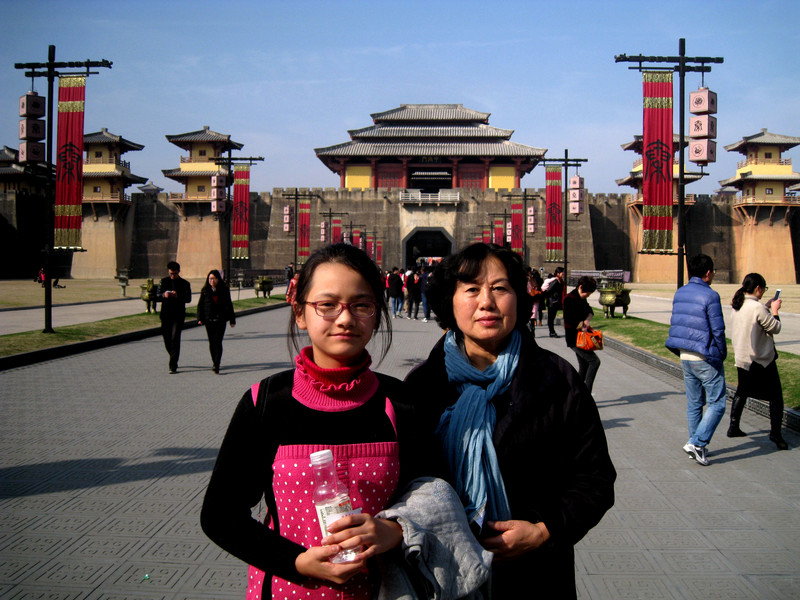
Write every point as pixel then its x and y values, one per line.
pixel 375 536
pixel 316 562
pixel 515 538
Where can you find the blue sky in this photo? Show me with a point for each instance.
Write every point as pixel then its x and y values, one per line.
pixel 285 77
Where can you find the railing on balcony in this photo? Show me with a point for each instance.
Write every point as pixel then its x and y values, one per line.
pixel 115 197
pixel 195 197
pixel 198 159
pixel 639 161
pixel 440 197
pixel 771 199
pixel 764 161
pixel 107 161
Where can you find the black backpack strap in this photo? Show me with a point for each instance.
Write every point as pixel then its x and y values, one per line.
pixel 273 390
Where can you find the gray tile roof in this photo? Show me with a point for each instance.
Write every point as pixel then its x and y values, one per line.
pixel 430 131
pixel 128 178
pixel 411 149
pixel 738 179
pixel 430 112
pixel 178 174
pixel 185 140
pixel 104 137
pixel 765 138
pixel 638 140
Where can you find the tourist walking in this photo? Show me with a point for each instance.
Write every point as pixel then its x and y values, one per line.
pixel 215 310
pixel 174 293
pixel 697 336
pixel 753 327
pixel 414 288
pixel 578 317
pixel 395 284
pixel 554 286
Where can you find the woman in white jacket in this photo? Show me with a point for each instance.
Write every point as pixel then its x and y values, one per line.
pixel 754 324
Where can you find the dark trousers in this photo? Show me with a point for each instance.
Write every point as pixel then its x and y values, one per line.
pixel 171 332
pixel 588 364
pixel 413 305
pixel 763 383
pixel 552 311
pixel 215 331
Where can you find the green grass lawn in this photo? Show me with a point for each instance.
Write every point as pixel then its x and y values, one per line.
pixel 650 336
pixel 16 343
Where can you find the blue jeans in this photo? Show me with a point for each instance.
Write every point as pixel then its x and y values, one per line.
pixel 705 386
pixel 397 305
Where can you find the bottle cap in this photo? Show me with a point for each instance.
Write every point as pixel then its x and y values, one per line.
pixel 321 457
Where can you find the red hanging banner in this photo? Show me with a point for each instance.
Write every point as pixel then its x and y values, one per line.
pixel 336 231
pixel 69 162
pixel 657 154
pixel 517 234
pixel 241 212
pixel 303 231
pixel 487 235
pixel 499 232
pixel 554 237
pixel 370 245
pixel 379 253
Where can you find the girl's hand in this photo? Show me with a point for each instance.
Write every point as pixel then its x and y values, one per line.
pixel 315 562
pixel 375 536
pixel 515 538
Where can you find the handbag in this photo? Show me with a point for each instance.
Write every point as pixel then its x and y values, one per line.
pixel 590 340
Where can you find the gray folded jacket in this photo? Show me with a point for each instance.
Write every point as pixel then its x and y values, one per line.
pixel 439 557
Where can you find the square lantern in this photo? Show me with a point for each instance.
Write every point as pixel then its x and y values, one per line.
pixel 218 206
pixel 576 195
pixel 218 193
pixel 575 182
pixel 703 151
pixel 703 126
pixel 218 180
pixel 32 105
pixel 575 208
pixel 31 152
pixel 31 129
pixel 703 102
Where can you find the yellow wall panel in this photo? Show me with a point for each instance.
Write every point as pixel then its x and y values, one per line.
pixel 358 177
pixel 502 178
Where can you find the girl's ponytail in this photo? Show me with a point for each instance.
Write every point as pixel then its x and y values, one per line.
pixel 749 285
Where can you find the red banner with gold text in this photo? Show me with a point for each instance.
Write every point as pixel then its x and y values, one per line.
pixel 241 212
pixel 657 155
pixel 554 237
pixel 69 162
pixel 303 231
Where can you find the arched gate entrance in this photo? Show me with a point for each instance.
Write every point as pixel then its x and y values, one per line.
pixel 426 243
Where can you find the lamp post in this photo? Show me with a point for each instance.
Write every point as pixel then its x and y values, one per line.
pixel 682 64
pixel 48 69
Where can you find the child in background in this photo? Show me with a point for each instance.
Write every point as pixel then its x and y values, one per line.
pixel 330 400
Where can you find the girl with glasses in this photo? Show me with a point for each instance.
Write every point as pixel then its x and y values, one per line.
pixel 330 400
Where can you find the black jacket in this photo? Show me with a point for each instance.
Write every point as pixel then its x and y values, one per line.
pixel 553 456
pixel 174 308
pixel 576 309
pixel 215 306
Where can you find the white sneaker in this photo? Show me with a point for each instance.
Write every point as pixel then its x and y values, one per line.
pixel 696 452
pixel 424 320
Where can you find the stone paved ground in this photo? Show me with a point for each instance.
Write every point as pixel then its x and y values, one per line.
pixel 104 458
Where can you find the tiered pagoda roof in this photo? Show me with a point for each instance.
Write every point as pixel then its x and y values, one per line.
pixel 104 137
pixel 634 178
pixel 417 130
pixel 187 140
pixel 764 138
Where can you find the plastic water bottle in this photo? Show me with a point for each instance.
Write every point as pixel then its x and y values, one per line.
pixel 331 499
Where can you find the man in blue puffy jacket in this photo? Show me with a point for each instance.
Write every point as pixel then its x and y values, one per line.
pixel 697 335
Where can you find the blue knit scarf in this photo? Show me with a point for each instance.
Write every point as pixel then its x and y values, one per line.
pixel 466 428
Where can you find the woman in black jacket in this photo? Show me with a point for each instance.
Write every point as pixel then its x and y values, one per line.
pixel 577 317
pixel 214 310
pixel 520 432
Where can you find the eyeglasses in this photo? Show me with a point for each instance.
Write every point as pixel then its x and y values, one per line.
pixel 331 308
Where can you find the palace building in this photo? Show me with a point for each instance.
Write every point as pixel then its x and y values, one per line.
pixel 430 147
